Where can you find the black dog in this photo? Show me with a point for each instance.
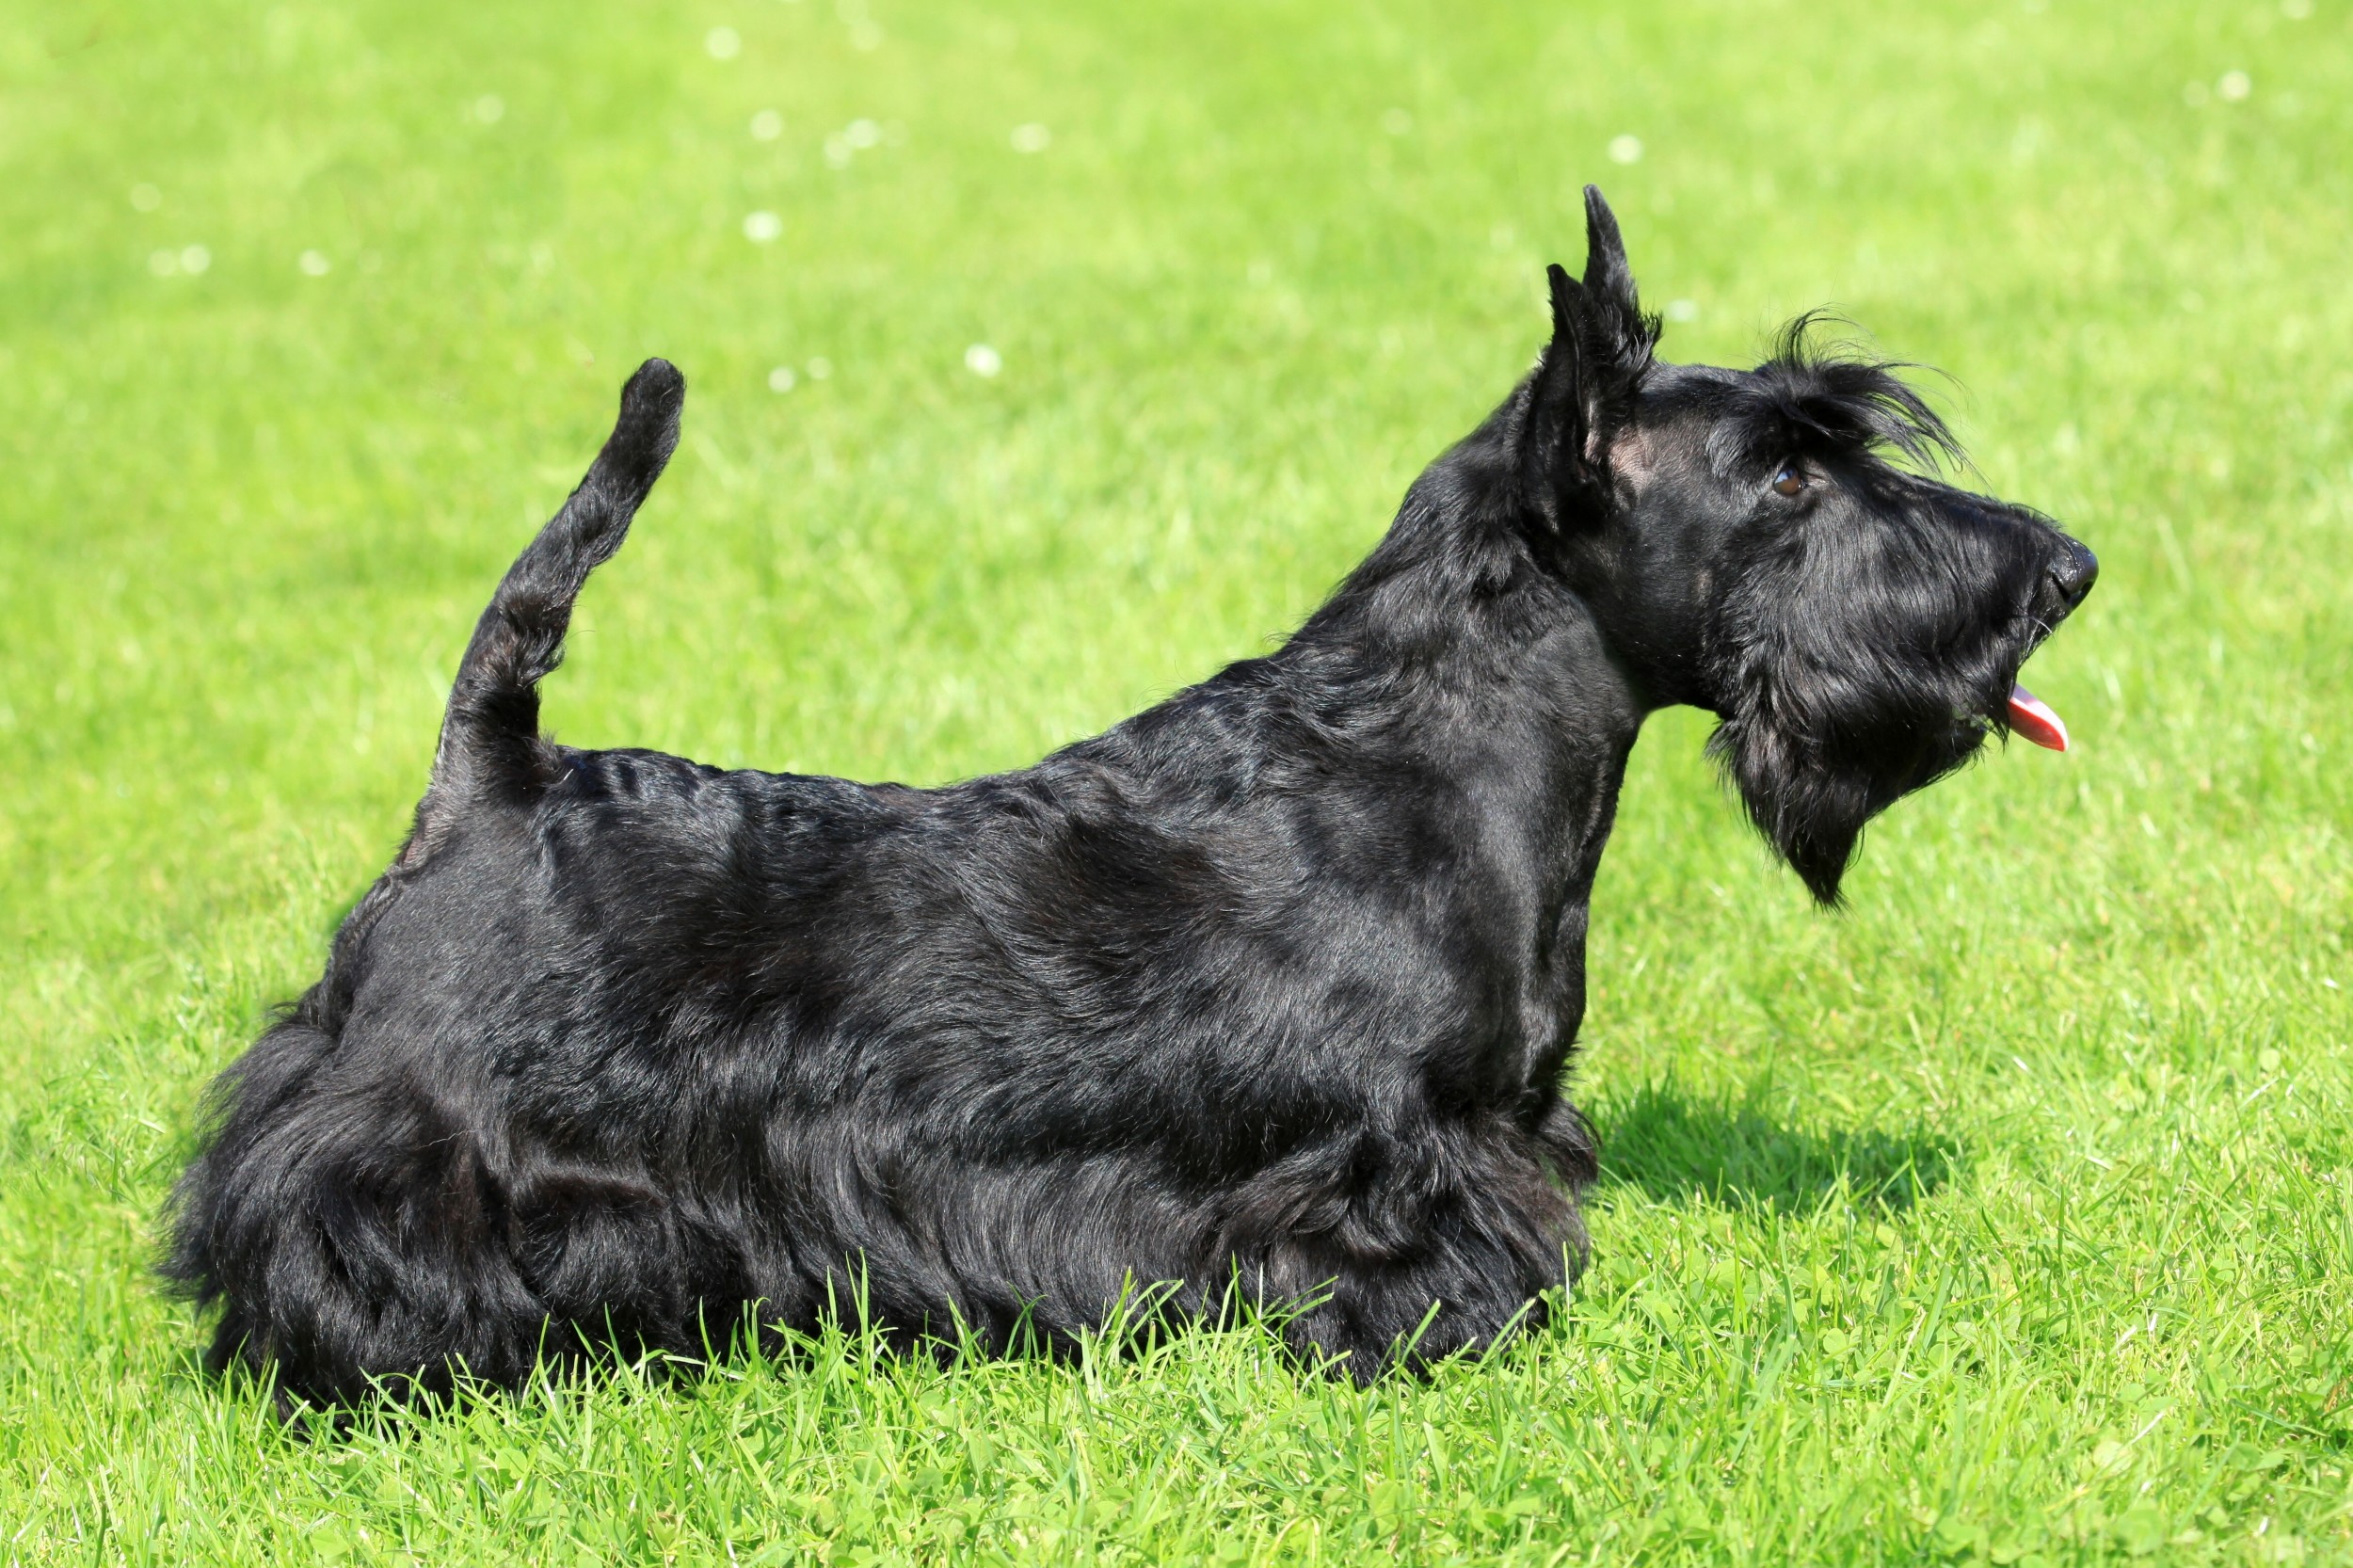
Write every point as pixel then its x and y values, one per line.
pixel 1273 984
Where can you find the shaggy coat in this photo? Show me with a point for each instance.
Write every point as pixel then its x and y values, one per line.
pixel 1273 985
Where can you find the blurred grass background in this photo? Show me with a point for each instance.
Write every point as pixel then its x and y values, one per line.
pixel 2008 1217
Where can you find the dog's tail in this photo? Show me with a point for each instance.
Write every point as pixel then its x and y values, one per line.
pixel 491 749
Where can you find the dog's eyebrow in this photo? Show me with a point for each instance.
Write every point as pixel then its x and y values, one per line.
pixel 1811 396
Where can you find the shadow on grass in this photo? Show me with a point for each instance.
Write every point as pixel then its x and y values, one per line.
pixel 1674 1146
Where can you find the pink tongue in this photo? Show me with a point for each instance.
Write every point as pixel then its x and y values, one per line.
pixel 2030 717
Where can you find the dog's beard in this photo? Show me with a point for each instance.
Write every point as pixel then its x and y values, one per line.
pixel 1816 751
pixel 1882 686
pixel 1810 800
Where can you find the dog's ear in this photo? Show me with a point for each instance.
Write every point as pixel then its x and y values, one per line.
pixel 1585 386
pixel 1628 335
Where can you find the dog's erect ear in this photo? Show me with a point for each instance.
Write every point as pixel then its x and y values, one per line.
pixel 1584 388
pixel 1628 335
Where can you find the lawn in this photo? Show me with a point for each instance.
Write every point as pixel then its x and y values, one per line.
pixel 2006 1217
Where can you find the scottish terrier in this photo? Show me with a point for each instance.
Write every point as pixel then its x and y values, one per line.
pixel 1270 987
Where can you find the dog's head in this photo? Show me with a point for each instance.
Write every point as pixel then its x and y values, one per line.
pixel 1747 545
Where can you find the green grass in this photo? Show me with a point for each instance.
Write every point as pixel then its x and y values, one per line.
pixel 2007 1217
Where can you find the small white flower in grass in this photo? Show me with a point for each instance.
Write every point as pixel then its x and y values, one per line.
pixel 1033 137
pixel 163 263
pixel 146 197
pixel 315 264
pixel 1683 310
pixel 2234 87
pixel 1396 122
pixel 1625 150
pixel 781 379
pixel 983 361
pixel 723 43
pixel 194 260
pixel 767 125
pixel 820 367
pixel 862 134
pixel 489 108
pixel 762 228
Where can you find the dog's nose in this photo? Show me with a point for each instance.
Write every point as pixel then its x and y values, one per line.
pixel 2074 573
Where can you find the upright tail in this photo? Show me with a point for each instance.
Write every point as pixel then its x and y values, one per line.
pixel 491 749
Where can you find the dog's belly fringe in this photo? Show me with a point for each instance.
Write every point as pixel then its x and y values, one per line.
pixel 382 1232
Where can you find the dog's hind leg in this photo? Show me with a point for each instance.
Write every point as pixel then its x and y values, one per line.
pixel 353 1231
pixel 490 750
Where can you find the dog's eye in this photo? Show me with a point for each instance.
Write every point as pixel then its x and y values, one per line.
pixel 1789 480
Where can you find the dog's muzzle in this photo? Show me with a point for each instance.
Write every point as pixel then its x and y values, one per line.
pixel 2069 579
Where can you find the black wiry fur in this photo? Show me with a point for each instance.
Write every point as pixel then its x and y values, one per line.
pixel 1276 982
